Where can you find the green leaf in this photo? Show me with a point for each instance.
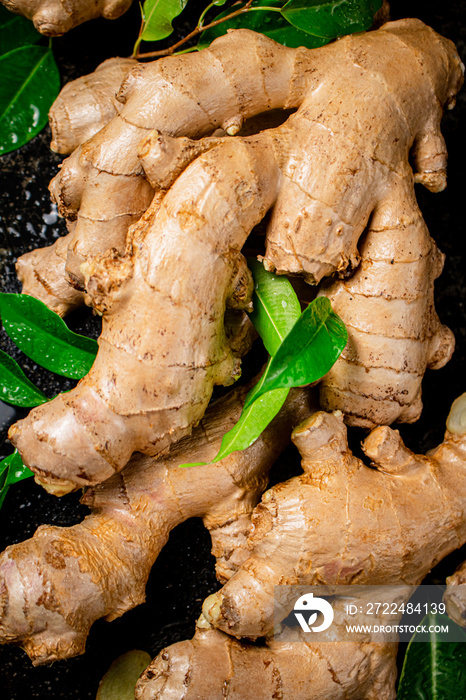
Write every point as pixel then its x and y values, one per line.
pixel 253 421
pixel 12 470
pixel 250 425
pixel 4 466
pixel 15 387
pixel 17 470
pixel 307 353
pixel 159 15
pixel 276 306
pixel 331 18
pixel 27 95
pixel 434 669
pixel 44 337
pixel 306 345
pixel 271 23
pixel 15 31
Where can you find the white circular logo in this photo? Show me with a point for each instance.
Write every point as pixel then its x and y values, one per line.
pixel 307 603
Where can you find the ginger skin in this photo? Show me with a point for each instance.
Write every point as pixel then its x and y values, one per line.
pixel 182 266
pixel 176 96
pixel 394 333
pixel 55 17
pixel 316 222
pixel 87 104
pixel 413 506
pixel 313 530
pixel 81 109
pixel 54 586
pixel 163 344
pixel 289 667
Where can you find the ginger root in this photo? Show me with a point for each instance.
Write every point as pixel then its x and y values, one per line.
pixel 387 305
pixel 314 530
pixel 412 506
pixel 163 344
pixel 81 109
pixel 55 17
pixel 214 665
pixel 152 380
pixel 101 187
pixel 54 586
pixel 87 104
pixel 363 101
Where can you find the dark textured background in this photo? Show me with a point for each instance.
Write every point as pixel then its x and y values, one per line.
pixel 183 574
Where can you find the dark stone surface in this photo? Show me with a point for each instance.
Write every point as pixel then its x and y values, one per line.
pixel 183 574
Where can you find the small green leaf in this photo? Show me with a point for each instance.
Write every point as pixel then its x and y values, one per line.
pixel 250 425
pixel 15 31
pixel 15 387
pixel 307 353
pixel 27 95
pixel 4 466
pixel 17 470
pixel 331 18
pixel 434 669
pixel 44 337
pixel 159 15
pixel 252 422
pixel 12 470
pixel 120 680
pixel 306 345
pixel 270 23
pixel 276 306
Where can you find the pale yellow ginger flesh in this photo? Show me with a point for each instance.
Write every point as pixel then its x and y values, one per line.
pixel 163 344
pixel 456 421
pixel 364 102
pixel 54 586
pixel 55 17
pixel 340 523
pixel 455 595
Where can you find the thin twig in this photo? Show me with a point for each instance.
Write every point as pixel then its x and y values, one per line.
pixel 141 29
pixel 191 35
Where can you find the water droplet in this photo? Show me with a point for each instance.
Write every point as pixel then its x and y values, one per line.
pixel 52 216
pixel 35 115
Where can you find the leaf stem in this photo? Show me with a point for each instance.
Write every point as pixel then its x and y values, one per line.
pixel 201 18
pixel 265 9
pixel 191 35
pixel 141 29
